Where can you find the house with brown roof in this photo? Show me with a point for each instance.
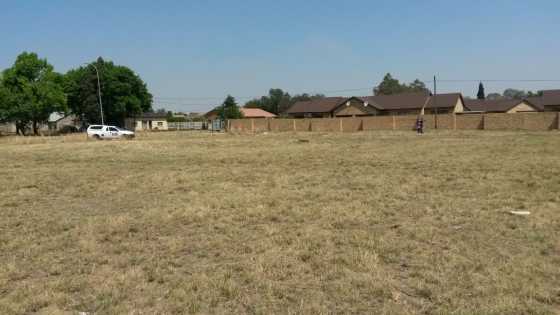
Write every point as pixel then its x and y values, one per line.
pixel 501 106
pixel 549 101
pixel 255 113
pixel 398 104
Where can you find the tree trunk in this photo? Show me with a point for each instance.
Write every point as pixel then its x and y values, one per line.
pixel 20 128
pixel 35 129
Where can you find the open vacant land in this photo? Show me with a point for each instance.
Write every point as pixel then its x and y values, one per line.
pixel 381 222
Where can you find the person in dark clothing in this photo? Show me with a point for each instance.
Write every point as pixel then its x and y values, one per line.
pixel 420 125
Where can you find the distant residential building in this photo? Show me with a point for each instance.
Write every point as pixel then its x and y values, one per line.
pixel 60 121
pixel 212 115
pixel 147 122
pixel 549 101
pixel 379 105
pixel 500 106
pixel 255 113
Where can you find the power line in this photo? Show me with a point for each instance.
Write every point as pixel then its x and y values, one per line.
pixel 171 99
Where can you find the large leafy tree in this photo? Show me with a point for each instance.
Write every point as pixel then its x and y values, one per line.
pixel 390 86
pixel 123 93
pixel 277 101
pixel 3 103
pixel 31 92
pixel 229 109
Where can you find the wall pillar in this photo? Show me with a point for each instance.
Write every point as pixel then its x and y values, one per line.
pixel 394 123
pixel 295 129
pixel 252 125
pixel 340 122
pixel 454 121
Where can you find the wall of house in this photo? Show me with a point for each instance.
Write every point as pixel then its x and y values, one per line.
pixel 498 121
pixel 459 107
pixel 160 124
pixel 552 108
pixel 521 107
pixel 355 108
pixel 7 128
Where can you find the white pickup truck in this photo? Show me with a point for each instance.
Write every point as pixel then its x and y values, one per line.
pixel 101 132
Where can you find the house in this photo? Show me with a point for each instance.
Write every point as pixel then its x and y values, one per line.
pixel 147 121
pixel 549 101
pixel 255 113
pixel 317 108
pixel 398 104
pixel 501 106
pixel 60 121
pixel 413 103
pixel 211 115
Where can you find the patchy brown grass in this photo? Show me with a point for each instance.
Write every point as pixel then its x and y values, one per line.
pixel 387 222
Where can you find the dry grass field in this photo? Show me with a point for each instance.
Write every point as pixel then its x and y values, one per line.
pixel 365 223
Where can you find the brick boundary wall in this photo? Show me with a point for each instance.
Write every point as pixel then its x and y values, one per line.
pixel 498 121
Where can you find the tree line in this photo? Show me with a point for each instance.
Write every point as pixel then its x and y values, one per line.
pixel 30 91
pixel 512 94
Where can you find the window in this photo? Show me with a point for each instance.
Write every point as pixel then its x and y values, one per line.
pixel 160 123
pixel 113 129
pixel 96 127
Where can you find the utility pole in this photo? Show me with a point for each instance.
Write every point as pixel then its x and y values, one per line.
pixel 435 102
pixel 98 91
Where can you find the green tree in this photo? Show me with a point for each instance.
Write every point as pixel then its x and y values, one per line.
pixel 276 102
pixel 515 94
pixel 494 96
pixel 417 86
pixel 480 95
pixel 3 102
pixel 390 86
pixel 33 91
pixel 534 94
pixel 229 109
pixel 123 93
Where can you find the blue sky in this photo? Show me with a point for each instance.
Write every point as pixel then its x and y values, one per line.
pixel 193 53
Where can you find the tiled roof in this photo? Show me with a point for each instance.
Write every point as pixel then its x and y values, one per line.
pixel 256 113
pixel 322 105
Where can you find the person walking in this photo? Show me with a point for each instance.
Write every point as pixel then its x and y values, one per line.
pixel 420 125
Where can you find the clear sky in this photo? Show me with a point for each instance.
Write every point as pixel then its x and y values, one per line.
pixel 193 53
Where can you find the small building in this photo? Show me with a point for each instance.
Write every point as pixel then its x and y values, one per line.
pixel 379 105
pixel 413 103
pixel 317 108
pixel 147 122
pixel 60 121
pixel 212 115
pixel 255 113
pixel 501 106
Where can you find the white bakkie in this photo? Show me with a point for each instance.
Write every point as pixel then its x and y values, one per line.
pixel 101 132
